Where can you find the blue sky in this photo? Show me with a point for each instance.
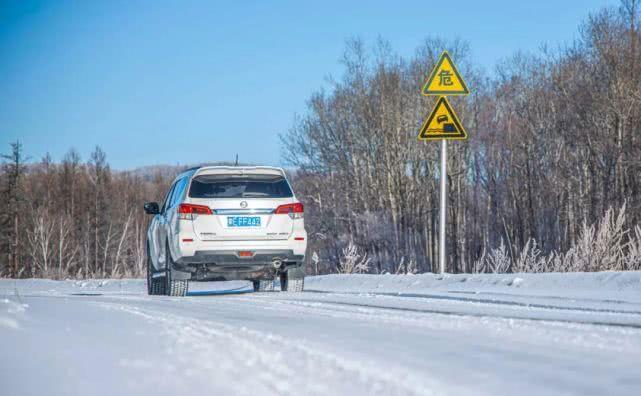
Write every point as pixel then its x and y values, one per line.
pixel 168 82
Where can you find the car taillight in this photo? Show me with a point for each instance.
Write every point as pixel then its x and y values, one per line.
pixel 295 210
pixel 191 211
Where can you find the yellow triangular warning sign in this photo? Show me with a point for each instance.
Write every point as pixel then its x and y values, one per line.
pixel 442 124
pixel 445 79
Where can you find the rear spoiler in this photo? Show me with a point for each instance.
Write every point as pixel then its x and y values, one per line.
pixel 239 171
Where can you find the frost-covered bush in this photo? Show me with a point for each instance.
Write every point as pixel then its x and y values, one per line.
pixel 600 247
pixel 352 261
pixel 407 267
pixel 633 258
pixel 530 259
pixel 497 261
pixel 315 261
pixel 604 246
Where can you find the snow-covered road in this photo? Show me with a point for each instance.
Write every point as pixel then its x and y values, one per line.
pixel 352 335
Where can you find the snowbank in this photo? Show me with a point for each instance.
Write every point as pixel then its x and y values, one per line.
pixel 625 286
pixel 604 286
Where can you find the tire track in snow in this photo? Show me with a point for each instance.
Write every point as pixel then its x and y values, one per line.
pixel 584 336
pixel 486 301
pixel 443 311
pixel 273 364
pixel 550 297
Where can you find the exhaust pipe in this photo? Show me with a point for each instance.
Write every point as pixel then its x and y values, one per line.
pixel 201 273
pixel 277 263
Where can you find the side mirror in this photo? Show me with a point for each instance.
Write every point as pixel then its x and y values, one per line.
pixel 152 208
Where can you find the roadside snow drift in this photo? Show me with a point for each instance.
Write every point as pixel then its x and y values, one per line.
pixel 526 334
pixel 580 285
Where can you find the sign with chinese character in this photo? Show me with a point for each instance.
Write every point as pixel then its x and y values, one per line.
pixel 445 79
pixel 443 123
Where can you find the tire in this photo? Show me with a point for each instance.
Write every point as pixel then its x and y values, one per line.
pixel 263 285
pixel 158 287
pixel 155 286
pixel 176 288
pixel 172 287
pixel 292 280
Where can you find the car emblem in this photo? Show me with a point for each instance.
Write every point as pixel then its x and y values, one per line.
pixel 243 204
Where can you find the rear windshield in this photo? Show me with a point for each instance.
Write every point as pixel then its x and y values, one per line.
pixel 239 187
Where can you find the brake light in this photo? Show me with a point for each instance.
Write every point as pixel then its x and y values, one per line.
pixel 191 211
pixel 295 210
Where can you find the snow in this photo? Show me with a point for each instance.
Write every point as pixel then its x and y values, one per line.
pixel 592 285
pixel 527 334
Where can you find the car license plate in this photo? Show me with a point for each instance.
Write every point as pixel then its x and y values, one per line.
pixel 243 221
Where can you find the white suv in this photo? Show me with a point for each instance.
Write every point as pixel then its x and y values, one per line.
pixel 226 223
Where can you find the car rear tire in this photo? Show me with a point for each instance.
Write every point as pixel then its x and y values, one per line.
pixel 173 287
pixel 155 286
pixel 292 280
pixel 263 285
pixel 177 288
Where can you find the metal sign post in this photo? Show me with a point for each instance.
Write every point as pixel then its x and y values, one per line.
pixel 443 213
pixel 443 124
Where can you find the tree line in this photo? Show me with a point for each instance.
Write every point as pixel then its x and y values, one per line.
pixel 555 143
pixel 550 178
pixel 73 218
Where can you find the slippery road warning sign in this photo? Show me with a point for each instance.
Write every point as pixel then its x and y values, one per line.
pixel 445 79
pixel 442 123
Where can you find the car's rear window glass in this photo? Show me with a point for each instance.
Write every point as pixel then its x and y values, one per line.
pixel 239 187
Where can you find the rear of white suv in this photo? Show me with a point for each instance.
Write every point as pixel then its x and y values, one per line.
pixel 227 223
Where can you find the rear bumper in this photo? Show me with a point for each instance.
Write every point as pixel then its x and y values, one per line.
pixel 231 257
pixel 192 249
pixel 206 265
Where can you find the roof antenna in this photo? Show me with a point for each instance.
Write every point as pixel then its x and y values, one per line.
pixel 236 164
